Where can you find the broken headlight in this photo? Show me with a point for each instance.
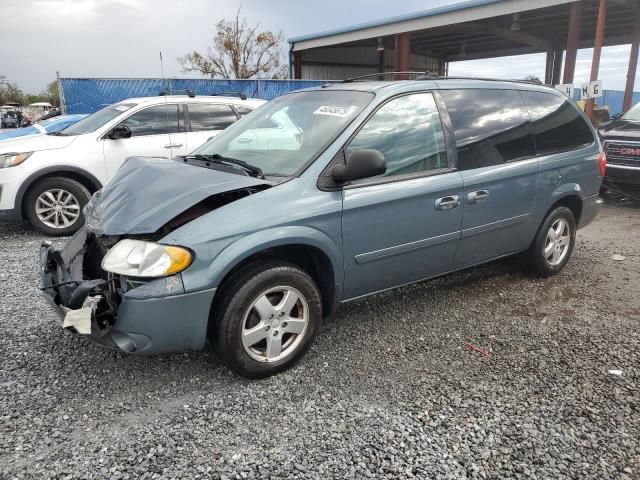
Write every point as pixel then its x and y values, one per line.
pixel 135 258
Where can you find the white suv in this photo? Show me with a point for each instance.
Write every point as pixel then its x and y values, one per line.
pixel 48 179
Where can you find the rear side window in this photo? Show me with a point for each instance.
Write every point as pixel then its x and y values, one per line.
pixel 557 124
pixel 408 132
pixel 490 126
pixel 210 116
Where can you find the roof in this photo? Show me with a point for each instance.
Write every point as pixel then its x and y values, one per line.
pixel 466 11
pixel 196 99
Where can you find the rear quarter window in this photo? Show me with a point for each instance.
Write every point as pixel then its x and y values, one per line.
pixel 557 123
pixel 490 126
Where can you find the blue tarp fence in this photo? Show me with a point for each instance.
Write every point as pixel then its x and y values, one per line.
pixel 88 95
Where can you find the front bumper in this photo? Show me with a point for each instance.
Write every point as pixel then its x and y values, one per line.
pixel 624 174
pixel 154 317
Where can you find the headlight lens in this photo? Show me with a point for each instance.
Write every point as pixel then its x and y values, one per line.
pixel 13 159
pixel 136 258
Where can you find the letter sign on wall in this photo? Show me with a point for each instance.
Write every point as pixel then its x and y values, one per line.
pixel 591 90
pixel 566 88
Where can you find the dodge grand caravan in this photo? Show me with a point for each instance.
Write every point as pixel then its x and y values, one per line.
pixel 320 197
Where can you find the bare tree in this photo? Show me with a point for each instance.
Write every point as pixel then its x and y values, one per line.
pixel 238 51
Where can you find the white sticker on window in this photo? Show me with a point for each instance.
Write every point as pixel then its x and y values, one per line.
pixel 334 111
pixel 122 108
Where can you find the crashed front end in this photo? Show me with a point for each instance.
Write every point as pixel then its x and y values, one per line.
pixel 149 312
pixel 134 315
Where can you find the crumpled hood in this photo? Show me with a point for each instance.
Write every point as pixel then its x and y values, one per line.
pixel 147 192
pixel 35 143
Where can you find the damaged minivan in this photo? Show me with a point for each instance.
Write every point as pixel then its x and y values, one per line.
pixel 320 197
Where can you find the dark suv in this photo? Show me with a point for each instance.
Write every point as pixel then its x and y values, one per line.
pixel 621 141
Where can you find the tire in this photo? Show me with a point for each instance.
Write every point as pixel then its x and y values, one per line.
pixel 64 194
pixel 551 261
pixel 237 312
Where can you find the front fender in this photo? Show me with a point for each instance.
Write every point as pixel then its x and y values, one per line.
pixel 256 242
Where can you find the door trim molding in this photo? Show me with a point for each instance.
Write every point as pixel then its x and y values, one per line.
pixel 489 227
pixel 367 257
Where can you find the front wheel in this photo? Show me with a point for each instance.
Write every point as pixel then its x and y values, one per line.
pixel 554 242
pixel 266 319
pixel 54 205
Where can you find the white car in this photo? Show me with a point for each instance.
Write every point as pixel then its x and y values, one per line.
pixel 47 179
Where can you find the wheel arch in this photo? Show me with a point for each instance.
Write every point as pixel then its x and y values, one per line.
pixel 569 195
pixel 310 249
pixel 89 181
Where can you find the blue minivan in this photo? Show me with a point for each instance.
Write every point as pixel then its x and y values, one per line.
pixel 320 197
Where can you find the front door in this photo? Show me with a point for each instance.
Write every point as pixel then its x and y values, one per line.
pixel 151 135
pixel 496 158
pixel 402 226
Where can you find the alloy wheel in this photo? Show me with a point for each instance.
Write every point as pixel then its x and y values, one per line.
pixel 275 324
pixel 57 208
pixel 557 243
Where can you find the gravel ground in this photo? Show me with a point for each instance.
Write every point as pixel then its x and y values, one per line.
pixel 391 389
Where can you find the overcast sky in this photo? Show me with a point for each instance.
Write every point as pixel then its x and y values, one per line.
pixel 122 38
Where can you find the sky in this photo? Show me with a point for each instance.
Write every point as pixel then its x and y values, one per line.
pixel 123 38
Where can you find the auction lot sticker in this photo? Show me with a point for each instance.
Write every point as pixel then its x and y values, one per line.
pixel 334 111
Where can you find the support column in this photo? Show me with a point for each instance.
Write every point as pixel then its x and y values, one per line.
pixel 597 48
pixel 557 65
pixel 573 40
pixel 548 69
pixel 633 62
pixel 402 60
pixel 297 65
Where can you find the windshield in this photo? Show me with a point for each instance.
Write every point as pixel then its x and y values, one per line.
pixel 633 114
pixel 98 119
pixel 284 134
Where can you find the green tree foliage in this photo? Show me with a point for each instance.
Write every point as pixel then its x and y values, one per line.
pixel 238 51
pixel 9 92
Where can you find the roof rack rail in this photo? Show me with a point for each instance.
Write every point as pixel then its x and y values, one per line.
pixel 188 93
pixel 513 80
pixel 384 74
pixel 242 95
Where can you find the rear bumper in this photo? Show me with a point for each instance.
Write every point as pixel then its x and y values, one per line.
pixel 622 174
pixel 157 317
pixel 591 206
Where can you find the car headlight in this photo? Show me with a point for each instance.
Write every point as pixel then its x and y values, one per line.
pixel 136 258
pixel 13 159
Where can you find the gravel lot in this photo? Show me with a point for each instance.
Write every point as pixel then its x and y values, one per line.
pixel 390 390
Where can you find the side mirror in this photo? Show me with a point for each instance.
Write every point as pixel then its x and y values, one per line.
pixel 361 164
pixel 120 131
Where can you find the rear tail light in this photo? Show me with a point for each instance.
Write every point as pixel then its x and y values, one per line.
pixel 602 163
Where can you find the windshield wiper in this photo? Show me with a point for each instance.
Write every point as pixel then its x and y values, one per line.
pixel 57 134
pixel 219 159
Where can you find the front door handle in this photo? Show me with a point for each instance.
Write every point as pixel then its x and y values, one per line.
pixel 173 145
pixel 448 202
pixel 478 196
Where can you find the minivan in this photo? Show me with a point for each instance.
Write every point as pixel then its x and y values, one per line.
pixel 320 197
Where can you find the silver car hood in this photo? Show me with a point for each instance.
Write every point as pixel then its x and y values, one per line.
pixel 147 192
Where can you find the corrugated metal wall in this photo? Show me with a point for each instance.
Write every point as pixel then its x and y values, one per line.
pixel 320 64
pixel 88 95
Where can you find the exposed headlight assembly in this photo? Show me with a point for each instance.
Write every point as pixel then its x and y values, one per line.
pixel 135 258
pixel 13 159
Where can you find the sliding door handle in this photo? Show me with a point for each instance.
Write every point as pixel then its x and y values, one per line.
pixel 173 145
pixel 478 196
pixel 448 202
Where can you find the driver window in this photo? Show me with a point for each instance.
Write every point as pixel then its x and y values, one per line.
pixel 158 120
pixel 408 132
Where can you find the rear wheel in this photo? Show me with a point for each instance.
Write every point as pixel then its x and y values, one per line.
pixel 267 318
pixel 554 243
pixel 54 205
